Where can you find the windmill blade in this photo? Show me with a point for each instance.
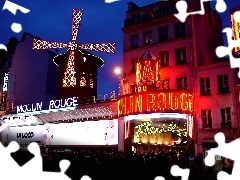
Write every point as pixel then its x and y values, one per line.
pixel 99 47
pixel 76 19
pixel 42 44
pixel 69 79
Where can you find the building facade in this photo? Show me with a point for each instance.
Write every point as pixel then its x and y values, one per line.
pixel 29 76
pixel 186 52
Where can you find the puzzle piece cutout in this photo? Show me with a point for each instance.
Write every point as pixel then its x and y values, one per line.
pixel 177 171
pixel 12 7
pixel 222 51
pixel 227 150
pixel 183 14
pixel 236 16
pixel 32 169
pixel 111 1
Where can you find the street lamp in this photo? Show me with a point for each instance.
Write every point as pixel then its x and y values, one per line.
pixel 117 70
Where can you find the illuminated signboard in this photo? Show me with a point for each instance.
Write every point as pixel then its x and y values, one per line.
pixel 101 132
pixel 25 135
pixel 161 101
pixel 53 105
pixel 69 102
pixel 16 120
pixel 148 72
pixel 5 82
pixel 29 108
pixel 235 28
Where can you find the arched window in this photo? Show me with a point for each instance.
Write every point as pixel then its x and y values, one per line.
pixel 83 81
pixel 91 83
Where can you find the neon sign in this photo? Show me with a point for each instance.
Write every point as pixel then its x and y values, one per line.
pixel 69 102
pixel 29 108
pixel 161 101
pixel 53 105
pixel 147 72
pixel 236 31
pixel 5 82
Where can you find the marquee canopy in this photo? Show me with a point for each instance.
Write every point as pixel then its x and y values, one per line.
pixel 101 112
pixel 13 120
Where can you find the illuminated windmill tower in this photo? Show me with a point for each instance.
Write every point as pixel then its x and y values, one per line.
pixel 77 67
pixel 148 73
pixel 236 30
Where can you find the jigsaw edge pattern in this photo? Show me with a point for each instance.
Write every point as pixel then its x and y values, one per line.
pixel 227 150
pixel 182 6
pixel 177 171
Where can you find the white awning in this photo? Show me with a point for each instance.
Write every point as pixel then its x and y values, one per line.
pixel 13 120
pixel 79 114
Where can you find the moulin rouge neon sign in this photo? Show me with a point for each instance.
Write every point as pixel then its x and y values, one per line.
pixel 54 104
pixel 155 102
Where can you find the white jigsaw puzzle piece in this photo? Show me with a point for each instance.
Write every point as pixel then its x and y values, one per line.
pixel 111 1
pixel 227 150
pixel 2 46
pixel 236 16
pixel 35 165
pixel 12 7
pixel 182 9
pixel 177 171
pixel 222 51
pixel 8 165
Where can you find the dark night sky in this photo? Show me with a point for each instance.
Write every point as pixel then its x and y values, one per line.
pixel 101 22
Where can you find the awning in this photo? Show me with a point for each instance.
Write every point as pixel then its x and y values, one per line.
pixel 100 112
pixel 13 120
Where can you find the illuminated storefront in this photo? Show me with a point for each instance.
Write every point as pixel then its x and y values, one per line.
pixel 155 115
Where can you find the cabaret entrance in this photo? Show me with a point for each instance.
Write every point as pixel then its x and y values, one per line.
pixel 156 120
pixel 154 115
pixel 158 131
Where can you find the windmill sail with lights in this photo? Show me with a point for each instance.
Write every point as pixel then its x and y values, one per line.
pixel 77 74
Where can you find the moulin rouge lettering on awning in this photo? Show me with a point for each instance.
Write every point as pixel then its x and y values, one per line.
pixel 155 102
pixel 54 104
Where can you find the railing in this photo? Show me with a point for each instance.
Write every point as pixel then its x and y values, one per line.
pixel 169 10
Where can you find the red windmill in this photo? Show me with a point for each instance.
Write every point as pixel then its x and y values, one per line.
pixel 69 79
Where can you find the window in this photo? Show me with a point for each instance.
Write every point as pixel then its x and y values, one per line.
pixel 148 37
pixel 206 119
pixel 133 88
pixel 164 58
pixel 182 83
pixel 226 117
pixel 133 65
pixel 83 81
pixel 163 34
pixel 204 86
pixel 181 57
pixel 91 83
pixel 135 18
pixel 223 84
pixel 150 14
pixel 134 41
pixel 179 30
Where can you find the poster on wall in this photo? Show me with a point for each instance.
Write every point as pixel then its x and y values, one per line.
pixel 102 132
pixel 25 135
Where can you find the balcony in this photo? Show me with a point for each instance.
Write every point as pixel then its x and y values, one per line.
pixel 166 11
